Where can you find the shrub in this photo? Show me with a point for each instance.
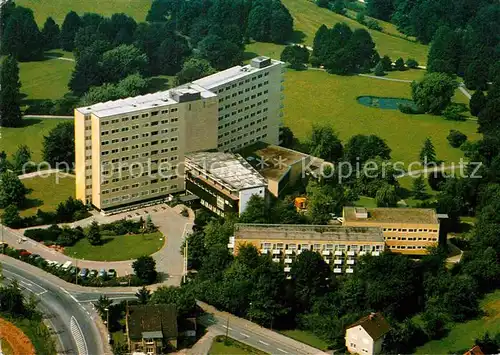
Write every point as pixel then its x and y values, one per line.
pixel 360 17
pixel 399 64
pixel 456 138
pixel 409 109
pixel 411 63
pixel 373 25
pixel 453 113
pixel 379 69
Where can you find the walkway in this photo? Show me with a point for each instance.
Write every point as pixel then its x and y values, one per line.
pixel 60 58
pixel 384 78
pixel 168 259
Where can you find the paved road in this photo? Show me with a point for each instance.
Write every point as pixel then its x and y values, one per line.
pixel 169 260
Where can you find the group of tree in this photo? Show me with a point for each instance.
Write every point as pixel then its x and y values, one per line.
pixel 59 146
pixel 296 55
pixel 343 51
pixel 10 96
pixel 385 65
pixel 19 163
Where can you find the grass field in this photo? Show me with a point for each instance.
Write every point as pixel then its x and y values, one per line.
pixel 117 248
pixel 462 335
pixel 306 338
pixel 314 97
pixel 47 192
pixel 232 347
pixel 31 134
pixel 59 8
pixel 308 18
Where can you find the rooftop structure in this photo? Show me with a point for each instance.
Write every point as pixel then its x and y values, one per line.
pixel 308 232
pixel 227 169
pixel 390 215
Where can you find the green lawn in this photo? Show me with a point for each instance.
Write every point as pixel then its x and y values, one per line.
pixel 308 18
pixel 232 347
pixel 462 335
pixel 410 74
pixel 31 134
pixel 315 97
pixel 117 248
pixel 255 49
pixel 46 79
pixel 306 338
pixel 59 8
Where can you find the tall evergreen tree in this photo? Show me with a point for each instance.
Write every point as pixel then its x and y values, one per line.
pixel 21 36
pixel 477 102
pixel 50 34
pixel 428 153
pixel 70 27
pixel 476 75
pixel 418 188
pixel 444 54
pixel 10 98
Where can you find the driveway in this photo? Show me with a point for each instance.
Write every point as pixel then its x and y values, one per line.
pixel 169 260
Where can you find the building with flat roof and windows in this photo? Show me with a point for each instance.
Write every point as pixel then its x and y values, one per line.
pixel 250 103
pixel 406 230
pixel 131 151
pixel 340 246
pixel 224 182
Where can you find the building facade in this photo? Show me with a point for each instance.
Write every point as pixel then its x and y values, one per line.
pixel 406 230
pixel 250 103
pixel 224 182
pixel 131 151
pixel 339 246
pixel 367 335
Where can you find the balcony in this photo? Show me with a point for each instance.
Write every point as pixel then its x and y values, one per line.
pixel 288 261
pixel 264 251
pixel 276 260
pixel 337 262
pixel 362 253
pixel 351 253
pixel 338 253
pixel 325 252
pixel 337 270
pixel 289 252
pixel 276 252
pixel 350 262
pixel 287 268
pixel 375 253
pixel 349 271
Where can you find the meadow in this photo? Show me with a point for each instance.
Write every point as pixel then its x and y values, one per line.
pixel 315 97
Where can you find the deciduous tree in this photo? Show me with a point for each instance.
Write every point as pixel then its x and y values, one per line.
pixel 59 145
pixel 145 269
pixel 12 190
pixel 434 92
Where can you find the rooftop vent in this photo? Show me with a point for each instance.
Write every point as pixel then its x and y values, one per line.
pixel 260 62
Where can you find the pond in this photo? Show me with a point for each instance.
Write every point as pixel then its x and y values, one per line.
pixel 386 103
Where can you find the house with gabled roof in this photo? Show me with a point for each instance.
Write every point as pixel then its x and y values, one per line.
pixel 367 335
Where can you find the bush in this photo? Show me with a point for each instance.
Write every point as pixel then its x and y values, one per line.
pixel 373 25
pixel 360 17
pixel 123 226
pixel 411 63
pixel 453 113
pixel 456 138
pixel 409 109
pixel 315 62
pixel 399 64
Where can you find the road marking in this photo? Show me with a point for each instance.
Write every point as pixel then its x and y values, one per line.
pixel 225 326
pixel 111 298
pixel 283 351
pixel 263 342
pixel 245 335
pixel 27 282
pixel 77 333
pixel 69 294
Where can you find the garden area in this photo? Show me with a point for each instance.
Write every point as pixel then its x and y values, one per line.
pixel 223 346
pixel 306 337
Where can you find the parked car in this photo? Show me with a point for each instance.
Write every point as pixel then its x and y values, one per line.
pixel 102 273
pixel 112 273
pixel 93 273
pixel 83 273
pixel 73 270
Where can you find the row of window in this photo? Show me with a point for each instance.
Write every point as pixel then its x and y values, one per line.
pixel 144 135
pixel 136 117
pixel 153 133
pixel 246 81
pixel 411 238
pixel 234 113
pixel 136 156
pixel 402 247
pixel 240 92
pixel 410 230
pixel 248 98
pixel 137 185
pixel 319 247
pixel 212 208
pixel 232 140
pixel 137 194
pixel 145 154
pixel 240 119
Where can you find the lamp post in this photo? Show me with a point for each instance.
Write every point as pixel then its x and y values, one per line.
pixel 185 259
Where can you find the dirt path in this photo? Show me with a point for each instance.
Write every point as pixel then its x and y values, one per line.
pixel 19 342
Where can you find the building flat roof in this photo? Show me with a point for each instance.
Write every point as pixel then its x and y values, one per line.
pixel 132 104
pixel 231 74
pixel 312 232
pixel 393 215
pixel 227 168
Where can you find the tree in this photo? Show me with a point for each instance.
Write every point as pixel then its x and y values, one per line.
pixel 50 34
pixel 94 234
pixel 411 63
pixel 143 295
pixel 194 69
pixel 325 199
pixel 477 102
pixel 145 269
pixel 453 112
pixel 118 63
pixel 325 144
pixel 387 63
pixel 444 54
pixel 399 64
pixel 21 37
pixel 297 56
pixel 182 297
pixel 70 27
pixel 456 138
pixel 381 9
pixel 256 211
pixel 281 23
pixel 488 117
pixel 476 75
pixel 12 190
pixel 379 69
pixel 21 158
pixel 427 153
pixel 10 97
pixel 419 188
pixel 221 53
pixel 59 145
pixel 102 305
pixel 87 72
pixel 386 196
pixel 11 217
pixel 435 179
pixel 434 92
pixel 361 148
pixel 4 164
pixel 170 55
pixel 339 7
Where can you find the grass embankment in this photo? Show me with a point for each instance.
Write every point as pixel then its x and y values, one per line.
pixel 462 335
pixel 37 333
pixel 314 97
pixel 305 337
pixel 117 247
pixel 231 347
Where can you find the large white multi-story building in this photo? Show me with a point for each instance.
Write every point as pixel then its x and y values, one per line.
pixel 131 151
